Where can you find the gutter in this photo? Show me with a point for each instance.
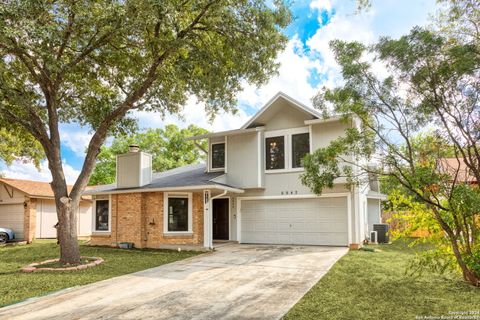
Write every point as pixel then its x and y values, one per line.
pixel 186 188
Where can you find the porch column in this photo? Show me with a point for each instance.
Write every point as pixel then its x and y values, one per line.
pixel 207 220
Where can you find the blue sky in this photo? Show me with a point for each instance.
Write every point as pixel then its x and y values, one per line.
pixel 306 65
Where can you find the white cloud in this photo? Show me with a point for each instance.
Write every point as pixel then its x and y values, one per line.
pixel 27 171
pixel 292 79
pixel 193 113
pixel 321 5
pixel 342 26
pixel 76 138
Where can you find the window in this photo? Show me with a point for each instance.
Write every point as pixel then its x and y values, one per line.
pixel 285 149
pixel 102 216
pixel 300 147
pixel 178 213
pixel 275 153
pixel 218 155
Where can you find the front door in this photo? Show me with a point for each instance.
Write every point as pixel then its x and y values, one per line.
pixel 220 219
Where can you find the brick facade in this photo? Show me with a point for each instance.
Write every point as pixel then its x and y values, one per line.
pixel 29 219
pixel 138 218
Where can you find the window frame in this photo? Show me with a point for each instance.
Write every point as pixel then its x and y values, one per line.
pixel 94 215
pixel 187 195
pixel 287 134
pixel 285 165
pixel 291 149
pixel 210 156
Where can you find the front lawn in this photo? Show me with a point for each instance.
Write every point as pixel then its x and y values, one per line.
pixel 16 286
pixel 373 285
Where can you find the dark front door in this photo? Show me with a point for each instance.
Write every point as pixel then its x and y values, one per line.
pixel 220 219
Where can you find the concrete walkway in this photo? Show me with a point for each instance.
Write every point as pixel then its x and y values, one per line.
pixel 234 282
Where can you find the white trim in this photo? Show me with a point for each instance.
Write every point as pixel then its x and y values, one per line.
pixel 357 215
pixel 239 219
pixel 185 188
pixel 226 155
pixel 349 220
pixel 209 236
pixel 310 138
pixel 287 138
pixel 259 159
pixel 301 169
pixel 94 216
pixel 289 99
pixel 348 195
pixel 229 216
pixel 189 197
pixel 210 163
pixel 296 196
pixel 226 133
pixel 323 120
pixel 206 212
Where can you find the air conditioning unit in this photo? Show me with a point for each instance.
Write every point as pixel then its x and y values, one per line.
pixel 373 237
pixel 382 232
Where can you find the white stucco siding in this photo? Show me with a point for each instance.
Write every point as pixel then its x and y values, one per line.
pixel 286 117
pixel 242 160
pixel 374 213
pixel 324 133
pixel 128 170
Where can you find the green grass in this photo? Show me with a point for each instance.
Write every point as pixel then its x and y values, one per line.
pixel 373 285
pixel 16 286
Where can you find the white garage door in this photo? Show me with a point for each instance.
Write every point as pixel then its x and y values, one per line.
pixel 315 221
pixel 11 216
pixel 46 219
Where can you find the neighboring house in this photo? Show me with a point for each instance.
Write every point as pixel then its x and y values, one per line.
pixel 249 191
pixel 458 170
pixel 28 207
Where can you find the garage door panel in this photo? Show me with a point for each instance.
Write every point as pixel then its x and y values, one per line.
pixel 12 216
pixel 316 221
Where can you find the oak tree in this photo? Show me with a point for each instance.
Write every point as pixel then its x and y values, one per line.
pixel 93 62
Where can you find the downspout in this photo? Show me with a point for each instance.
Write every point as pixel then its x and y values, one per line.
pixel 210 217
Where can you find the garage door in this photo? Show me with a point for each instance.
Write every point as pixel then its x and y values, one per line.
pixel 46 219
pixel 11 216
pixel 315 221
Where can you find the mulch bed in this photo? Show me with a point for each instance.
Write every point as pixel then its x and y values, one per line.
pixel 55 265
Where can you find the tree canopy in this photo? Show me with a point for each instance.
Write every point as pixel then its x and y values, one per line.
pixel 168 147
pixel 95 62
pixel 426 110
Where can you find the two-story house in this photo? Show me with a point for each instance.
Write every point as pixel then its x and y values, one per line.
pixel 248 191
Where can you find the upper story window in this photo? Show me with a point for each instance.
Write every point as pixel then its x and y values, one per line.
pixel 102 215
pixel 300 147
pixel 218 155
pixel 285 149
pixel 275 153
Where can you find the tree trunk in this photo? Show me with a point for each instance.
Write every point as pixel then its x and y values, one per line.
pixel 469 275
pixel 67 230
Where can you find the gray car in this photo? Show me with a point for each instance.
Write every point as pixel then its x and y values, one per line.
pixel 6 235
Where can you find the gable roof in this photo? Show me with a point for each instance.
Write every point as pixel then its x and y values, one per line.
pixel 292 102
pixel 31 188
pixel 246 128
pixel 191 176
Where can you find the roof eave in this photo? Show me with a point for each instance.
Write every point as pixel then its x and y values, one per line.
pixel 226 133
pixel 163 189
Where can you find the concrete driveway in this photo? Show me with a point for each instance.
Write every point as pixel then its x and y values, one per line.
pixel 234 282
